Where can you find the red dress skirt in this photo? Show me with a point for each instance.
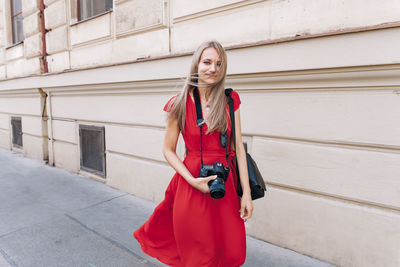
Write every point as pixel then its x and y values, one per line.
pixel 189 228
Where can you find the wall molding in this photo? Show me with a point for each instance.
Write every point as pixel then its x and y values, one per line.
pixel 378 208
pixel 29 92
pixel 380 77
pixel 149 28
pixel 109 123
pixel 93 42
pixel 136 157
pixel 385 77
pixel 264 58
pixel 63 141
pixel 326 143
pixel 347 78
pixel 35 135
pixel 21 114
pixel 212 11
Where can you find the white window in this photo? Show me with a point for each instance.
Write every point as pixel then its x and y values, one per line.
pixel 16 21
pixel 90 8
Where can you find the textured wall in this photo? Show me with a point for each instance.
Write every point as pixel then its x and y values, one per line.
pixel 147 29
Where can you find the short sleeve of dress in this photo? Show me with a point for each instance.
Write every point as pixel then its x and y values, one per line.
pixel 236 100
pixel 170 103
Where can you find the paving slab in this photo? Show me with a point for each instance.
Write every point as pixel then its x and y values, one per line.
pixel 64 242
pixel 117 219
pixel 3 262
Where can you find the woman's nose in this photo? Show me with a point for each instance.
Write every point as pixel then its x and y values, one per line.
pixel 212 67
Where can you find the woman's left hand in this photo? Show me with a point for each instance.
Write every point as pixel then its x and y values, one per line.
pixel 246 207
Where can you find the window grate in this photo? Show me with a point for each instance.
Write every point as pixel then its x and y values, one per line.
pixel 16 126
pixel 92 149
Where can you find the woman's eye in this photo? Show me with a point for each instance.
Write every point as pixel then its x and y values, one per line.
pixel 206 62
pixel 219 64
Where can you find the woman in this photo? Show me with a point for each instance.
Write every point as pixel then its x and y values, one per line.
pixel 190 228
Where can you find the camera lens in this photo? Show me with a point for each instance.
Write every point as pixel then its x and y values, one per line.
pixel 217 188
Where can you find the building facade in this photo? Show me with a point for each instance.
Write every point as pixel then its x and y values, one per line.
pixel 83 83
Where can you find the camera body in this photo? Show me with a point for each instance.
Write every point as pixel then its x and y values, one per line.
pixel 217 186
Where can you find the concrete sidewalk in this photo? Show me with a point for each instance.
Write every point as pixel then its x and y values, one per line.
pixel 51 217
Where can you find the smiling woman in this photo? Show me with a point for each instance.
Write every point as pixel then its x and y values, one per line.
pixel 209 66
pixel 207 73
pixel 192 227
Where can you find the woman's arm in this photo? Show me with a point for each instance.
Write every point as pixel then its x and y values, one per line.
pixel 169 151
pixel 246 209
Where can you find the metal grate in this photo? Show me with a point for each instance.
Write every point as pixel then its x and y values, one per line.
pixel 92 146
pixel 16 131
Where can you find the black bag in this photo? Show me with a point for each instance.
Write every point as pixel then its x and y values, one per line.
pixel 256 181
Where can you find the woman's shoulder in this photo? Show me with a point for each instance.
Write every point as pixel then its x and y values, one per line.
pixel 170 103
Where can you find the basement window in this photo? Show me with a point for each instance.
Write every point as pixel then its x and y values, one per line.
pixel 16 131
pixel 92 149
pixel 90 8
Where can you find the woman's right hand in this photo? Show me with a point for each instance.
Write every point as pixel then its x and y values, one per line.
pixel 201 183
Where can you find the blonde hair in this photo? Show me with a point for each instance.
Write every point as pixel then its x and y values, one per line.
pixel 216 120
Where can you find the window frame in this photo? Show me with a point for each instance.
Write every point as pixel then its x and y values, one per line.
pixel 16 136
pixel 100 129
pixel 15 32
pixel 77 11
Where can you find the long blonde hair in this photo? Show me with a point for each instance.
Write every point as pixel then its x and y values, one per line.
pixel 217 119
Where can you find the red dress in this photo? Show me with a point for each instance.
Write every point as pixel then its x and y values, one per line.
pixel 189 228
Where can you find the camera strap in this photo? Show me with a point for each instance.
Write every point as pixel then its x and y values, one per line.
pixel 200 122
pixel 228 92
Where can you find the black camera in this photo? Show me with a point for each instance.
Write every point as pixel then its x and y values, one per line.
pixel 217 186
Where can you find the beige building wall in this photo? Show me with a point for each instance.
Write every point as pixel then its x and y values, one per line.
pixel 319 83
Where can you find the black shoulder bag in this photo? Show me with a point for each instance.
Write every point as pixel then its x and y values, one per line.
pixel 256 181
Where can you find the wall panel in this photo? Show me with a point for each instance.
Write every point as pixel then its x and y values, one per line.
pixel 184 8
pixel 138 177
pixel 132 16
pixel 5 139
pixel 134 109
pixel 188 35
pixel 4 122
pixel 93 29
pixel 66 156
pixel 33 147
pixel 357 116
pixel 350 173
pixel 21 105
pixel 32 125
pixel 335 231
pixel 65 131
pixel 138 141
pixel 141 45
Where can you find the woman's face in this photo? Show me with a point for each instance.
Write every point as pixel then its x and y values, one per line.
pixel 209 66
